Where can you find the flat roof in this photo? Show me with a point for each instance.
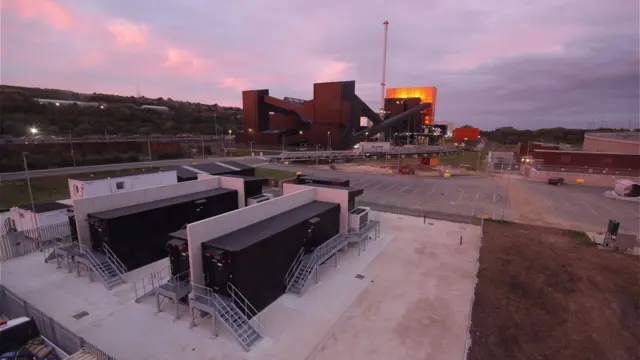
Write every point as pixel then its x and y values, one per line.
pixel 325 178
pixel 43 207
pixel 99 176
pixel 128 210
pixel 249 235
pixel 352 191
pixel 584 152
pixel 213 168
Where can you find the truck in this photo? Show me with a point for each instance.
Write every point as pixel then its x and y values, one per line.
pixel 374 147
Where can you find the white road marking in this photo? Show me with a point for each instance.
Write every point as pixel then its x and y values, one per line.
pixel 589 207
pixel 477 195
pixel 460 197
pixel 404 188
pixel 494 197
pixel 570 207
pixel 375 187
pixel 610 209
pixel 390 187
pixel 367 183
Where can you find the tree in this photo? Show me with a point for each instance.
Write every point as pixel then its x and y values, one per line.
pixel 84 129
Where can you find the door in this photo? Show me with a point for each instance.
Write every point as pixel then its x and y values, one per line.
pixel 218 271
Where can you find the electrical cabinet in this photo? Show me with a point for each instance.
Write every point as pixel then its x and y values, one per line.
pixel 255 259
pixel 138 234
pixel 179 258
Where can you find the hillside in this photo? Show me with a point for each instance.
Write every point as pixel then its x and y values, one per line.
pixel 119 114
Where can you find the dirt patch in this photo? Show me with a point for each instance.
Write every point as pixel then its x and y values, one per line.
pixel 542 294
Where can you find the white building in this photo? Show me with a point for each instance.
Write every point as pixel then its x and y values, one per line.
pixel 89 186
pixel 23 217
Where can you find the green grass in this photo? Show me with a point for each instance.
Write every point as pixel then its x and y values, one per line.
pixel 582 238
pixel 468 158
pixel 274 173
pixel 499 221
pixel 16 192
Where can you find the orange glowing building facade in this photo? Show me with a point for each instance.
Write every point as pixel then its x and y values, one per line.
pixel 409 97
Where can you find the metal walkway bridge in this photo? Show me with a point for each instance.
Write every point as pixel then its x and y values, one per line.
pixel 291 156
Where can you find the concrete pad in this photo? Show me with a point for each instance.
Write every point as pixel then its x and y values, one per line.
pixel 411 303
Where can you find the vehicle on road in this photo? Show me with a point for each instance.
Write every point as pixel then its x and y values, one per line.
pixel 556 181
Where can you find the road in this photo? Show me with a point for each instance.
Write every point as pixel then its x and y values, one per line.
pixel 111 167
pixel 508 197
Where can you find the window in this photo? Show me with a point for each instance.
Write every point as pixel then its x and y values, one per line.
pixel 120 185
pixel 76 189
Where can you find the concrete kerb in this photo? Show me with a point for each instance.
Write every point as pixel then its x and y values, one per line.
pixel 467 343
pixel 428 214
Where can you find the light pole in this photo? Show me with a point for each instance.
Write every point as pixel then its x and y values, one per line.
pixel 317 152
pixel 33 207
pixel 73 156
pixel 329 140
pixel 251 147
pixel 366 135
pixel 215 123
pixel 202 140
pixel 149 150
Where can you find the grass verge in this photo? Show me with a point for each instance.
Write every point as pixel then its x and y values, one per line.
pixel 582 238
pixel 16 192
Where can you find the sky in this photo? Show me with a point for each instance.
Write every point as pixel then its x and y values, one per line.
pixel 521 63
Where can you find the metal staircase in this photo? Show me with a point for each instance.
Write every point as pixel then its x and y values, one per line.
pixel 100 264
pixel 234 313
pixel 310 262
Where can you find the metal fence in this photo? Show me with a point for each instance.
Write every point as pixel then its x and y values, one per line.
pixel 12 306
pixel 587 170
pixel 19 243
pixel 422 213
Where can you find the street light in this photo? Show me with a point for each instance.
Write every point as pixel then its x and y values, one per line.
pixel 328 140
pixel 251 147
pixel 300 132
pixel 33 130
pixel 366 134
pixel 33 207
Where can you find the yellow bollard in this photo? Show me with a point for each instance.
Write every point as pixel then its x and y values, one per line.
pixel 579 181
pixel 447 175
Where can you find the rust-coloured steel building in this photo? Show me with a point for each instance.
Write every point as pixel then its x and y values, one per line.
pixel 332 119
pixel 400 100
pixel 583 159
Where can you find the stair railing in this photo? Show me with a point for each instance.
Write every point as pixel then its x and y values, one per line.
pixel 95 264
pixel 58 242
pixel 147 285
pixel 113 259
pixel 294 267
pixel 245 306
pixel 220 307
pixel 322 253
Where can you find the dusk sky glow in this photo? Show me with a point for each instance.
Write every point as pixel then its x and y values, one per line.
pixel 527 64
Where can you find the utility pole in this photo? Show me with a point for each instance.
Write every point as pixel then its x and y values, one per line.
pixel 215 123
pixel 73 156
pixel 384 67
pixel 149 151
pixel 317 153
pixel 202 140
pixel 251 147
pixel 33 206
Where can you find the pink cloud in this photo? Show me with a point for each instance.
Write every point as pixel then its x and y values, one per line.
pixel 128 33
pixel 237 84
pixel 185 60
pixel 332 71
pixel 48 11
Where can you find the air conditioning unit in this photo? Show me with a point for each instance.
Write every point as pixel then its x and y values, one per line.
pixel 270 196
pixel 257 199
pixel 358 217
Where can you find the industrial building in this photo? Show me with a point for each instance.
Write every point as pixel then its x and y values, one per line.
pixel 96 185
pixel 336 118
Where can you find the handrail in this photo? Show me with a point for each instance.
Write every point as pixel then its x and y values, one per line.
pixel 294 267
pixel 218 303
pixel 149 283
pixel 58 242
pixel 117 264
pixel 94 262
pixel 237 296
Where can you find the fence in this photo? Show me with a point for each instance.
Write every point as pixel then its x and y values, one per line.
pixel 429 214
pixel 19 243
pixel 12 306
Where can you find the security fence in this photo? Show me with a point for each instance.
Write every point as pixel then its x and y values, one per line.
pixel 12 306
pixel 19 243
pixel 423 213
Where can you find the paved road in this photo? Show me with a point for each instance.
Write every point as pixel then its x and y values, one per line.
pixel 110 167
pixel 570 206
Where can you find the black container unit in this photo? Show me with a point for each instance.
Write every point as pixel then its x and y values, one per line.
pixel 252 185
pixel 138 234
pixel 322 181
pixel 255 259
pixel 178 257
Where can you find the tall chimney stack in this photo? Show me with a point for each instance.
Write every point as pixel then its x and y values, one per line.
pixel 384 69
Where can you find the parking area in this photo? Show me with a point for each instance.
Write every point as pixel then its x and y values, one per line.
pixel 472 196
pixel 573 206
